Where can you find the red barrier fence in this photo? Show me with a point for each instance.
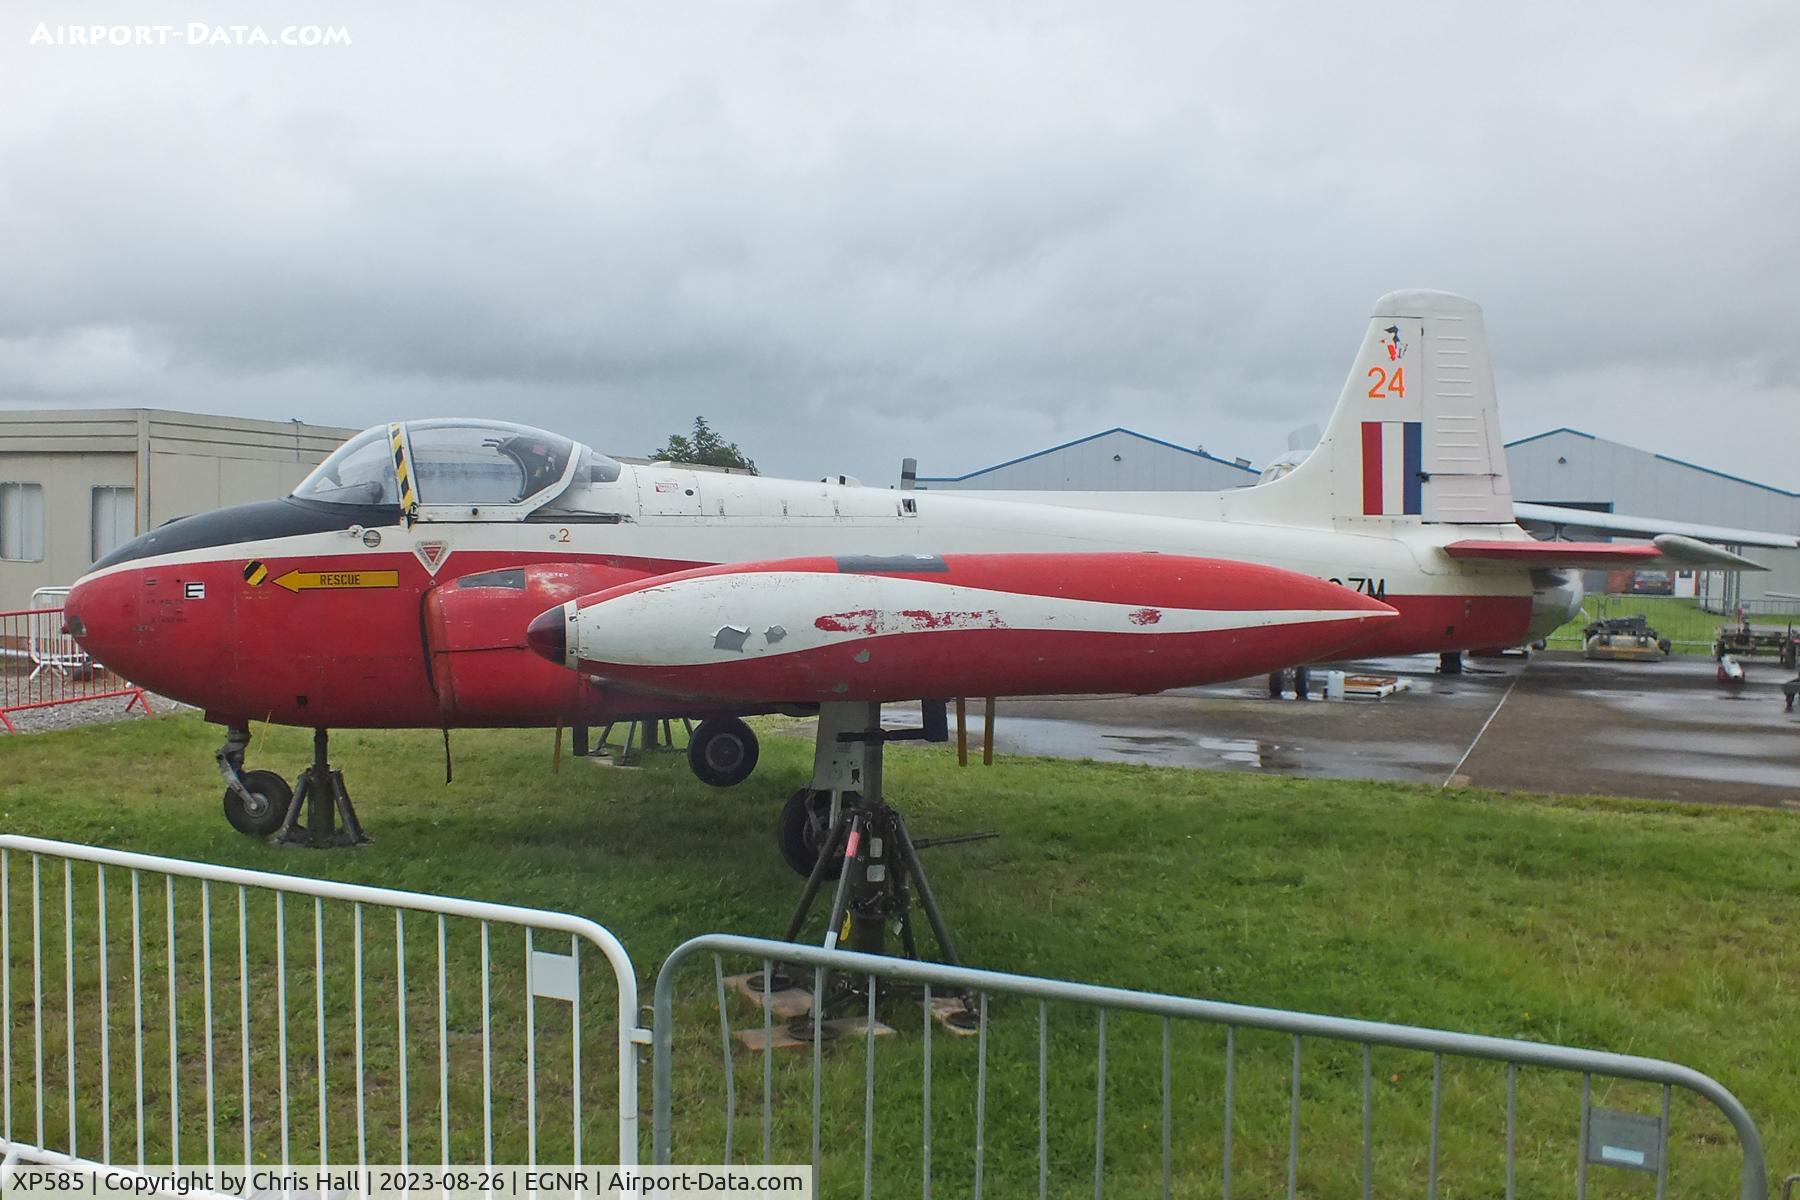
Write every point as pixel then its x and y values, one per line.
pixel 41 666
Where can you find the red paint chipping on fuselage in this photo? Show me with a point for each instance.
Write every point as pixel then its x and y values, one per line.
pixel 906 620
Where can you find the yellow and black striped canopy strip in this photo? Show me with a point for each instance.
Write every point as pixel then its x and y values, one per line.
pixel 402 468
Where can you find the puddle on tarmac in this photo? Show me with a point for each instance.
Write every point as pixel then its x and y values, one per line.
pixel 1051 738
pixel 1078 739
pixel 1146 739
pixel 1735 770
pixel 1699 746
pixel 1324 758
pixel 1245 751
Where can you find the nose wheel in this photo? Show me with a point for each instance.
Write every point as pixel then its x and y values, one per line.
pixel 317 813
pixel 259 804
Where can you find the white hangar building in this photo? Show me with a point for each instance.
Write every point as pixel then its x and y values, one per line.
pixel 1116 460
pixel 1578 470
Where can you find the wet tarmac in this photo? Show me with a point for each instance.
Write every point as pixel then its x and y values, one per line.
pixel 1557 724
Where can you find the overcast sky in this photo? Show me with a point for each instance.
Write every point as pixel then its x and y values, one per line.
pixel 961 231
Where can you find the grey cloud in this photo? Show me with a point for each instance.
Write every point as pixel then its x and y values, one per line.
pixel 956 231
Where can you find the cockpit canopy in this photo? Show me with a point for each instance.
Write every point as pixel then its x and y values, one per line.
pixel 490 468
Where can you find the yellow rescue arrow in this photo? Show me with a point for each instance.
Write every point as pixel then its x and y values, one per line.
pixel 306 581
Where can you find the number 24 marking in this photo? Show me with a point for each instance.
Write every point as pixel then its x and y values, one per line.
pixel 1384 386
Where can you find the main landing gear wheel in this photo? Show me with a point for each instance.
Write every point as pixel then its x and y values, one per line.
pixel 801 832
pixel 722 752
pixel 263 807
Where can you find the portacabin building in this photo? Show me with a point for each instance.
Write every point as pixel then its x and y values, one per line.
pixel 76 483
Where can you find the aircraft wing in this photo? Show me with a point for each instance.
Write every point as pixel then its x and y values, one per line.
pixel 1581 518
pixel 1667 551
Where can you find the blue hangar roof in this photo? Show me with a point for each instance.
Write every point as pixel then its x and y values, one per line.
pixel 1156 441
pixel 1680 462
pixel 1226 462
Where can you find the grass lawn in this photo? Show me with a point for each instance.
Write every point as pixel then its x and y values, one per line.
pixel 1679 620
pixel 1635 927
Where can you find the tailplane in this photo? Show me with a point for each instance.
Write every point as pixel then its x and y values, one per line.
pixel 1415 436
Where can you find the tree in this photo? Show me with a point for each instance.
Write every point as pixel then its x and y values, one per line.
pixel 705 447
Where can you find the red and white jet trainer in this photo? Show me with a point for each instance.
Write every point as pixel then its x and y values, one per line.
pixel 395 586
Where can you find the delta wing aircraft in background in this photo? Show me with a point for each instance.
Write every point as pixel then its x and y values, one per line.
pixel 455 573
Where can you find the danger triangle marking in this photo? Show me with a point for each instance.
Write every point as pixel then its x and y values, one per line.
pixel 432 554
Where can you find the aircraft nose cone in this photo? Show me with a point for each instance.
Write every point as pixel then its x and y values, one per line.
pixel 101 616
pixel 548 634
pixel 73 625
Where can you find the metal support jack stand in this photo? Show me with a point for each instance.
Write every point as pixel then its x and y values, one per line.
pixel 1302 683
pixel 650 733
pixel 879 869
pixel 322 799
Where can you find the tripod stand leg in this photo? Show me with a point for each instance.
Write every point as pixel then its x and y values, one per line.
pixel 815 880
pixel 296 806
pixel 910 857
pixel 353 830
pixel 909 944
pixel 853 866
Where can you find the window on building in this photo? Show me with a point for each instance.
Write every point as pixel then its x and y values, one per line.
pixel 22 521
pixel 114 520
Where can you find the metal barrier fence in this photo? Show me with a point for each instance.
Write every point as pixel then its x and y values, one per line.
pixel 1197 1096
pixel 302 1033
pixel 1767 610
pixel 41 666
pixel 373 1025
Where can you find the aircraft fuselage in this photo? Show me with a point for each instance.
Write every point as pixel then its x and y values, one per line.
pixel 338 615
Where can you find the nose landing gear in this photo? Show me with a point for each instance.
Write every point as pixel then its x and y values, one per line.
pixel 258 803
pixel 261 804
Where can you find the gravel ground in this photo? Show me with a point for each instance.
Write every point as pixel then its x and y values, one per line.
pixel 89 712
